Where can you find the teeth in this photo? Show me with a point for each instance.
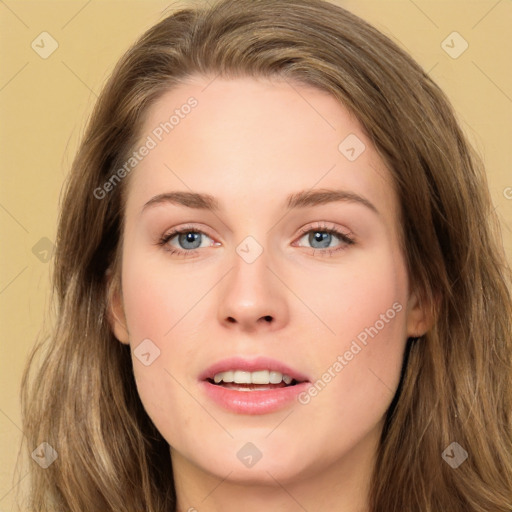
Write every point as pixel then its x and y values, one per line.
pixel 287 379
pixel 259 377
pixel 275 377
pixel 241 377
pixel 224 376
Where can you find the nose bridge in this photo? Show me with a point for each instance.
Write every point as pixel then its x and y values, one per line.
pixel 251 294
pixel 250 273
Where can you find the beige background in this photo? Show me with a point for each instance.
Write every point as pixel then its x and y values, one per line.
pixel 44 104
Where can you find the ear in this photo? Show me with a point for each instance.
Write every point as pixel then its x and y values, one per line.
pixel 115 308
pixel 420 316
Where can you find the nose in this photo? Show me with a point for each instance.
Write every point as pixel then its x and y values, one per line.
pixel 252 297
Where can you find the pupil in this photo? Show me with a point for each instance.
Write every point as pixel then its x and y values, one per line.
pixel 321 237
pixel 190 237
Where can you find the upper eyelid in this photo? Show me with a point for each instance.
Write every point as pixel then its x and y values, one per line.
pixel 324 226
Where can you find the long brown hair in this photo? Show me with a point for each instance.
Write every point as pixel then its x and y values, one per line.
pixel 78 391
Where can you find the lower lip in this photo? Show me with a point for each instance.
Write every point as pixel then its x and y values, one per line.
pixel 253 402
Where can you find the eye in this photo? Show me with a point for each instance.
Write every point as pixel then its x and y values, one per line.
pixel 326 239
pixel 185 241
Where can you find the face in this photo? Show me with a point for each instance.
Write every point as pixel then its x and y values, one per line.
pixel 289 263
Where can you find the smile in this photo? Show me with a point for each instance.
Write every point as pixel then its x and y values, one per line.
pixel 258 386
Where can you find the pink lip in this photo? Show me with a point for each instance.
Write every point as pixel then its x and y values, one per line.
pixel 252 402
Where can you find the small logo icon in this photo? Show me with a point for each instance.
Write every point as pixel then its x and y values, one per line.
pixel 146 352
pixel 43 250
pixel 44 45
pixel 249 249
pixel 351 147
pixel 249 455
pixel 45 455
pixel 454 455
pixel 454 45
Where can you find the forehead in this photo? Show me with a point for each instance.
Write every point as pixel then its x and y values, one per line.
pixel 252 142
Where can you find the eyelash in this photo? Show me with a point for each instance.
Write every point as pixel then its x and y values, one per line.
pixel 346 238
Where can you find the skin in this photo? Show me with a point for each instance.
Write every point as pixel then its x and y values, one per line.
pixel 250 143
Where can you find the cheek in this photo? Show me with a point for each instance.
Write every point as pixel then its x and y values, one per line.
pixel 166 400
pixel 157 295
pixel 162 313
pixel 359 366
pixel 363 296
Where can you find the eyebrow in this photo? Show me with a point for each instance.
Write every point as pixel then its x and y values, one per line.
pixel 302 199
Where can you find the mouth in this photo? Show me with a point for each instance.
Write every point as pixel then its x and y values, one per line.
pixel 252 386
pixel 260 380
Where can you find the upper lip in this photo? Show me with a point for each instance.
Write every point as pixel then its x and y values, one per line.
pixel 251 365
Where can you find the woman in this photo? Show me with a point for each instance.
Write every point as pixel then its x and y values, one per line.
pixel 279 281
